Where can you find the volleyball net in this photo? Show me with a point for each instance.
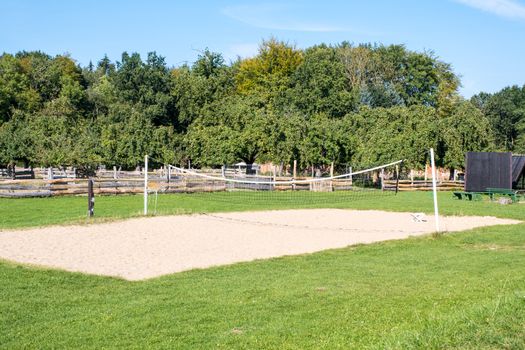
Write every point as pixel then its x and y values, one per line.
pixel 260 189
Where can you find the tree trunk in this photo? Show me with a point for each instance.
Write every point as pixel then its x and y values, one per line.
pixel 452 175
pixel 249 165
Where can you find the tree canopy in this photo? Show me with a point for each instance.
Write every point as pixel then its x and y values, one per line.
pixel 350 104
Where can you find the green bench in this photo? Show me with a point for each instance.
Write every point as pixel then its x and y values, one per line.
pixel 494 192
pixel 471 196
pixel 514 195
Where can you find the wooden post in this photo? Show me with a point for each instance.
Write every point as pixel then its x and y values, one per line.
pixel 397 178
pixel 146 184
pixel 114 172
pixel 223 170
pixel 331 175
pixel 50 173
pixel 351 176
pixel 411 177
pixel 91 198
pixel 274 175
pixel 382 178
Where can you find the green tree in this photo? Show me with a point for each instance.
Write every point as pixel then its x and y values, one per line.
pixel 506 112
pixel 285 132
pixel 232 130
pixel 319 84
pixel 386 134
pixel 125 143
pixel 466 129
pixel 15 90
pixel 208 64
pixel 16 141
pixel 270 72
pixel 319 146
pixel 191 93
pixel 52 140
pixel 146 85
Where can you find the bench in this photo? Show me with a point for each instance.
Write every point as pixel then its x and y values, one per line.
pixel 493 192
pixel 471 196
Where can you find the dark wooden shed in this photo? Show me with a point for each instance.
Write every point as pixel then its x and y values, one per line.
pixel 488 170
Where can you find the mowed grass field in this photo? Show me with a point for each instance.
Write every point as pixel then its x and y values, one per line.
pixel 458 291
pixel 31 212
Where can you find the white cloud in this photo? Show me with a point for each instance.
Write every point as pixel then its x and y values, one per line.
pixel 275 16
pixel 504 8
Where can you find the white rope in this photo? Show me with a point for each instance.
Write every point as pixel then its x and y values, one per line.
pixel 307 227
pixel 288 182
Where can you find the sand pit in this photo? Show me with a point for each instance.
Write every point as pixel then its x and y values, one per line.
pixel 143 248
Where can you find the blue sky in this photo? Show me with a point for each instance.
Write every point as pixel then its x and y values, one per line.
pixel 484 40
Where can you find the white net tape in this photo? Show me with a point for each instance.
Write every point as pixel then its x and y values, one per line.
pixel 284 182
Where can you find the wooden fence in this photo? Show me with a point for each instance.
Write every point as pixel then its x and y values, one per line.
pixel 65 186
pixel 422 185
pixel 180 183
pixel 19 173
pixel 59 187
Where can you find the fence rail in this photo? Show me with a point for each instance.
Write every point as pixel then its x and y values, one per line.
pixel 159 182
pixel 19 173
pixel 422 185
pixel 60 187
pixel 65 186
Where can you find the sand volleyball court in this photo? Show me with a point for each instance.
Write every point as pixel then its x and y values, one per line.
pixel 142 248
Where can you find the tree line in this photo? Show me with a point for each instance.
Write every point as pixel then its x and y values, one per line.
pixel 349 104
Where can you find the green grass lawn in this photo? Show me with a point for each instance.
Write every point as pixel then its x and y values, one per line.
pixel 27 212
pixel 459 291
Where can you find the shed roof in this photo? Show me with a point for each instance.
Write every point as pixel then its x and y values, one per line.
pixel 518 165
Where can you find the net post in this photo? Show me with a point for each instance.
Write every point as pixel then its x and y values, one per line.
pixel 382 177
pixel 434 189
pixel 146 184
pixel 294 176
